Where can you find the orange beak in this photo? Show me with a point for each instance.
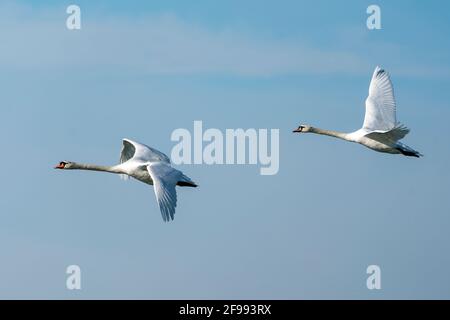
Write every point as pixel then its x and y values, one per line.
pixel 59 166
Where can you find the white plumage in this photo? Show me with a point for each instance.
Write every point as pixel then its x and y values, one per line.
pixel 380 104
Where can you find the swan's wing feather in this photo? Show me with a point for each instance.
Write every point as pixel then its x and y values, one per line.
pixel 380 104
pixel 391 136
pixel 128 151
pixel 165 179
pixel 147 153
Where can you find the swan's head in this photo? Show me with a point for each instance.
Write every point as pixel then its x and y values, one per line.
pixel 302 129
pixel 64 165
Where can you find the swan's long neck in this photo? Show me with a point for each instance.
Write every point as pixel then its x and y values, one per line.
pixel 331 133
pixel 94 167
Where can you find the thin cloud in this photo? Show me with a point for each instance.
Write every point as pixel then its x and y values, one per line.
pixel 163 45
pixel 155 45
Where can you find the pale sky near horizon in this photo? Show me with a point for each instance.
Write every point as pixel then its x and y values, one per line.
pixel 142 69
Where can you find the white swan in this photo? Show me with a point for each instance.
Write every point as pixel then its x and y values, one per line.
pixel 147 165
pixel 381 131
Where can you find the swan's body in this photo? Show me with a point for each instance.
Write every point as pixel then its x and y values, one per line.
pixel 146 165
pixel 381 131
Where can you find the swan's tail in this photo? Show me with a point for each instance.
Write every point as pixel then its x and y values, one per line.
pixel 185 181
pixel 408 151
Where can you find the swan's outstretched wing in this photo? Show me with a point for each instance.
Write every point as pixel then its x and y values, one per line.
pixel 133 149
pixel 165 179
pixel 380 104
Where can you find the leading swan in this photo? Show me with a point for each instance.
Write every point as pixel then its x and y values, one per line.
pixel 381 131
pixel 147 165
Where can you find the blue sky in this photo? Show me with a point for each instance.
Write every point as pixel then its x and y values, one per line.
pixel 141 69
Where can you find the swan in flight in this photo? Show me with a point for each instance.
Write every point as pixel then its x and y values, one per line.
pixel 381 131
pixel 147 165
